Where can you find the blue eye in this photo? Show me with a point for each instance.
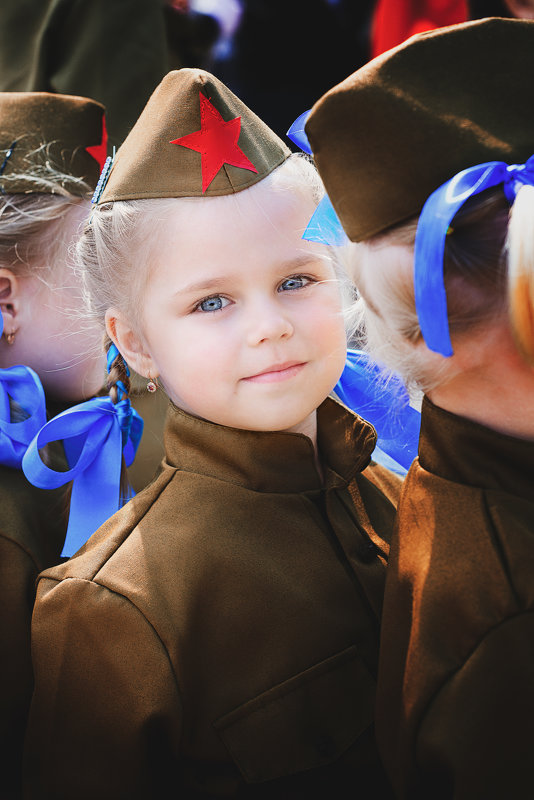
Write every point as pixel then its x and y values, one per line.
pixel 215 303
pixel 296 282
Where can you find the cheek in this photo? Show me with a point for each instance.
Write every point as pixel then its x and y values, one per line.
pixel 325 319
pixel 192 358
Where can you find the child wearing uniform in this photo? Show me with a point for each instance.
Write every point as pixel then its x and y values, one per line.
pixel 218 637
pixel 436 186
pixel 51 153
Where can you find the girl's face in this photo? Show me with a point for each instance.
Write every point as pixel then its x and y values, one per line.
pixel 242 319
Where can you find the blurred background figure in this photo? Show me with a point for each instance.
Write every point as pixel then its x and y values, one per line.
pixel 523 9
pixel 113 52
pixel 286 54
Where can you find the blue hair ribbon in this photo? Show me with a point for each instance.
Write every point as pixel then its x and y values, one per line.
pixel 434 221
pixel 19 386
pixel 297 134
pixel 112 354
pixel 95 434
pixel 324 226
pixel 384 402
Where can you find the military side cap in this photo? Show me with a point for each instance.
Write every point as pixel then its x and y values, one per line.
pixel 395 130
pixel 40 131
pixel 194 138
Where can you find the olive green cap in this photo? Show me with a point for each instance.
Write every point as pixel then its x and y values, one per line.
pixel 40 131
pixel 394 131
pixel 194 138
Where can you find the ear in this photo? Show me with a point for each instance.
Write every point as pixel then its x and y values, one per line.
pixel 10 290
pixel 129 344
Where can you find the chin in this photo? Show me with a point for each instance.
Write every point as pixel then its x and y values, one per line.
pixel 276 423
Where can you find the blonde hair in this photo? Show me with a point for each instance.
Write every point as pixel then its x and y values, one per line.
pixel 520 247
pixel 36 226
pixel 121 236
pixel 475 275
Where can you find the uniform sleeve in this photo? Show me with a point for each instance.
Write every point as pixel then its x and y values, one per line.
pixel 477 737
pixel 17 587
pixel 105 716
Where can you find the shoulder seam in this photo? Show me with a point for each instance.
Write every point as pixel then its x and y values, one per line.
pixel 92 578
pixel 131 603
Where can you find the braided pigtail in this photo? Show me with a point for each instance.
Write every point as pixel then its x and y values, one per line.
pixel 118 380
pixel 118 386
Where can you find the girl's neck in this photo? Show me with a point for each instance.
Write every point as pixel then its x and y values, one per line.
pixel 496 389
pixel 308 427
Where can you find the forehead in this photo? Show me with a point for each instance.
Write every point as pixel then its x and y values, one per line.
pixel 252 228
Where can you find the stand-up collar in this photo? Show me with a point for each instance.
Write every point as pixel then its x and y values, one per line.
pixel 463 451
pixel 271 461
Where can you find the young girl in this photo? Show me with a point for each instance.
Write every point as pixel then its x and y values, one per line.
pixel 51 152
pixel 218 636
pixel 427 185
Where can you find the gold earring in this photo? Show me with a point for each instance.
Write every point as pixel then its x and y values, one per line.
pixel 152 385
pixel 10 338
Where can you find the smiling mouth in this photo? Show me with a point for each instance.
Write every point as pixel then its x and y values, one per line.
pixel 278 372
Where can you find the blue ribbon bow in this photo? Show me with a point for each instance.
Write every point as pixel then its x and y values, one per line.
pixel 20 388
pixel 384 402
pixel 434 221
pixel 95 434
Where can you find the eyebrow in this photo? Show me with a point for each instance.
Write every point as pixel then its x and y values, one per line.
pixel 215 283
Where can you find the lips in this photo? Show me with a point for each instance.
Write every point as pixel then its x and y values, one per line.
pixel 277 372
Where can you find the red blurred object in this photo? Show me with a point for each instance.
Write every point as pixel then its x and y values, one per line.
pixel 394 21
pixel 182 6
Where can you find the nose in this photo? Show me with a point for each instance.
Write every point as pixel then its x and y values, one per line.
pixel 267 322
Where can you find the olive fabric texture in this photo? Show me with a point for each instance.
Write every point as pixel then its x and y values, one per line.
pixel 41 131
pixel 219 634
pixel 151 164
pixel 395 130
pixel 455 704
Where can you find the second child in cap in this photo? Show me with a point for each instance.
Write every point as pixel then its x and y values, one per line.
pixel 51 151
pixel 426 153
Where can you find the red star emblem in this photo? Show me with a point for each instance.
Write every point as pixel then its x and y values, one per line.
pixel 216 141
pixel 99 151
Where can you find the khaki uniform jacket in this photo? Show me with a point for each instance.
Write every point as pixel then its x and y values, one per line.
pixel 32 532
pixel 219 634
pixel 455 705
